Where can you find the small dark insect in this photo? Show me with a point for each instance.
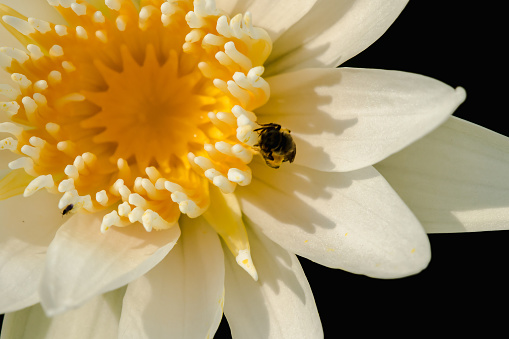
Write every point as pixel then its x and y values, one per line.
pixel 275 144
pixel 67 209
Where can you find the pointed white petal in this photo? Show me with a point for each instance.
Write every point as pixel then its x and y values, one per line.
pixel 273 16
pixel 82 262
pixel 344 119
pixel 27 227
pixel 182 297
pixel 353 221
pixel 332 32
pixel 280 305
pixel 97 319
pixel 455 178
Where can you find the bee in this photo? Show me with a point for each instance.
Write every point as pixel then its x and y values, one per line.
pixel 275 144
pixel 67 209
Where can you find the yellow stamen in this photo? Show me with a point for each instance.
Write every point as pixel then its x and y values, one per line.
pixel 136 110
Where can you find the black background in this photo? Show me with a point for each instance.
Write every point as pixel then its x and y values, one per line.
pixel 465 286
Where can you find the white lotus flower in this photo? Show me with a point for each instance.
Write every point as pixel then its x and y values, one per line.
pixel 142 118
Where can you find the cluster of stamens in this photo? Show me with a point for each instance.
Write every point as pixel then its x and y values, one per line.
pixel 135 111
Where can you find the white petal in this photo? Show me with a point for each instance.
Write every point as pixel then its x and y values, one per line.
pixel 82 262
pixel 353 221
pixel 182 297
pixel 273 16
pixel 27 227
pixel 97 319
pixel 332 32
pixel 455 178
pixel 279 305
pixel 344 119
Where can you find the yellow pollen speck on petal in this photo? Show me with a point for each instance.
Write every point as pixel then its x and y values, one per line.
pixel 146 111
pixel 413 250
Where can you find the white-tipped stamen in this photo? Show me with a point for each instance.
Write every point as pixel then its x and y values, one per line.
pixel 79 163
pixel 52 129
pixel 213 40
pixel 10 107
pixel 32 152
pixel 223 27
pixel 190 208
pixel 66 3
pixel 121 23
pixel 68 66
pixel 242 153
pixel 240 177
pixel 98 17
pixel 173 187
pixel 247 135
pixel 81 33
pixel 221 85
pixel 66 185
pixel 136 214
pixel 40 99
pixel 203 162
pixel 79 9
pixel 9 143
pixel 124 209
pixel 30 107
pixel 61 30
pixel 14 53
pixel 21 80
pixel 40 25
pixel 54 77
pixel 109 220
pixel 56 51
pixel 226 117
pixel 211 173
pixel 72 97
pixel 9 127
pixel 101 35
pixel 239 93
pixel 40 85
pixel 102 198
pixel 178 197
pixel 224 59
pixel 35 52
pixel 124 192
pixel 137 200
pixel 225 185
pixel 9 92
pixel 20 25
pixel 42 181
pixel 239 58
pixel 115 188
pixel 113 4
pixel 67 146
pixel 24 162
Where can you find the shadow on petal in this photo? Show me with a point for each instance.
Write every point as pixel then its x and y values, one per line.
pixel 297 104
pixel 289 47
pixel 285 186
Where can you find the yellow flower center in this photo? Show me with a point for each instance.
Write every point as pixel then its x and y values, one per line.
pixel 133 110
